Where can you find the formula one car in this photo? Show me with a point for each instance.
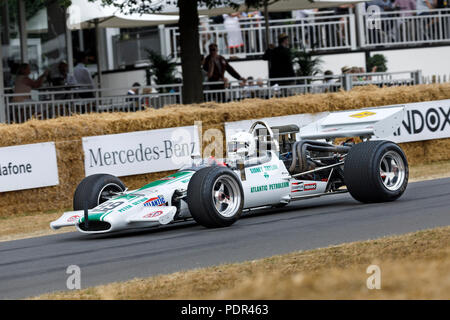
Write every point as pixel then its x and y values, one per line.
pixel 265 167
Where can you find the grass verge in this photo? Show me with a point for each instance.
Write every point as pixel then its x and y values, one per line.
pixel 413 266
pixel 33 225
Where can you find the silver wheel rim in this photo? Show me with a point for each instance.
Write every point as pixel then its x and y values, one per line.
pixel 226 196
pixel 108 192
pixel 392 170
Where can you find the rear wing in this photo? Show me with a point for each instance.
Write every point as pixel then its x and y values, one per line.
pixel 376 122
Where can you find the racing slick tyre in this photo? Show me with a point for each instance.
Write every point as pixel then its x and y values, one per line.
pixel 215 197
pixel 376 171
pixel 95 190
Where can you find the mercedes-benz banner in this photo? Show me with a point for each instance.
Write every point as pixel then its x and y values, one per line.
pixel 140 152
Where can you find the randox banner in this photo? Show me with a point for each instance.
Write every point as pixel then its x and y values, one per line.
pixel 424 121
pixel 140 152
pixel 28 166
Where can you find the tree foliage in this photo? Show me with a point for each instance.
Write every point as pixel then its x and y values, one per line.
pixel 162 68
pixel 307 63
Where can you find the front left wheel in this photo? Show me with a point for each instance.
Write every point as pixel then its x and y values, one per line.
pixel 215 197
pixel 96 189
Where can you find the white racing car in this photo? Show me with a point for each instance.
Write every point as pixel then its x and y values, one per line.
pixel 265 167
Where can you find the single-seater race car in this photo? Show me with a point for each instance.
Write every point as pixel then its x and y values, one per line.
pixel 265 167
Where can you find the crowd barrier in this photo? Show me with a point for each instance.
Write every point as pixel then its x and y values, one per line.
pixel 73 137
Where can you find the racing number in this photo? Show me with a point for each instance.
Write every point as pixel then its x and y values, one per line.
pixel 107 206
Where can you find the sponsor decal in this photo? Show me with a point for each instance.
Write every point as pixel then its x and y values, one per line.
pixel 126 208
pixel 167 178
pixel 258 189
pixel 297 186
pixel 273 186
pixel 154 202
pixel 264 168
pixel 256 170
pixel 153 214
pixel 266 175
pixel 310 186
pixel 363 114
pixel 139 201
pixel 73 218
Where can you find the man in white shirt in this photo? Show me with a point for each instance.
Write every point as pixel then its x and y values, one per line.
pixel 83 76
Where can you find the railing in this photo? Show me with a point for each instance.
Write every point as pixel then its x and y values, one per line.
pixel 321 33
pixel 50 104
pixel 396 28
pixel 284 87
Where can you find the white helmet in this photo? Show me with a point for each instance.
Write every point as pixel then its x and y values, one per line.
pixel 241 145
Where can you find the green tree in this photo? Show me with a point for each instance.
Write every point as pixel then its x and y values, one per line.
pixel 162 68
pixel 377 63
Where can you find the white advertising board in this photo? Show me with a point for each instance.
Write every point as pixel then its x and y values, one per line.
pixel 424 121
pixel 140 152
pixel 28 166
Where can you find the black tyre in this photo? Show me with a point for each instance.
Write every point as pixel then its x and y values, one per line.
pixel 215 197
pixel 376 171
pixel 95 190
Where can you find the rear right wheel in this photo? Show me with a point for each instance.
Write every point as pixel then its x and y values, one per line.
pixel 376 171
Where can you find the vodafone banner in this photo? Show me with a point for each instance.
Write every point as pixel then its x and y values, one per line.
pixel 28 166
pixel 140 152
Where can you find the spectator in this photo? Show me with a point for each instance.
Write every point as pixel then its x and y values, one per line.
pixel 24 84
pixel 280 60
pixel 251 89
pixel 83 75
pixel 135 90
pixel 215 65
pixel 67 78
pixel 329 81
pixel 234 35
pixel 424 6
pixel 384 5
pixel 305 16
pixel 345 69
pixel 405 5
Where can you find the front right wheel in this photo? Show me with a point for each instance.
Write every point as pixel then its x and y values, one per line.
pixel 376 171
pixel 215 197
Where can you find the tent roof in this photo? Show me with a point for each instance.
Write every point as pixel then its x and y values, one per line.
pixel 282 5
pixel 82 14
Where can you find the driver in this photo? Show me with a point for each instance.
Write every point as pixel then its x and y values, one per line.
pixel 241 146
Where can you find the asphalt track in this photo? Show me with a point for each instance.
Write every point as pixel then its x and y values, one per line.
pixel 33 266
